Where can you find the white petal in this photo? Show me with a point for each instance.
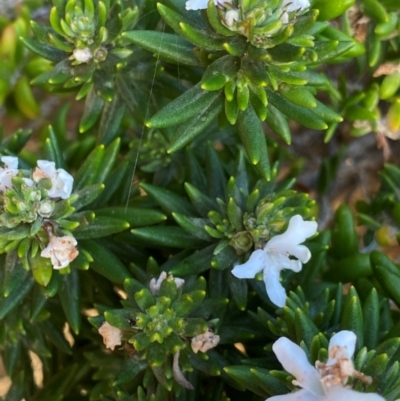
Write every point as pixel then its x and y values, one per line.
pixel 48 167
pixel 275 290
pixel 10 162
pixel 346 339
pixel 294 5
pixel 297 232
pixel 301 252
pixel 67 183
pixel 300 395
pixel 231 17
pixel 61 181
pixel 281 261
pixel 179 282
pixel 294 360
pixel 344 394
pixel 6 176
pixel 252 266
pixel 196 4
pixel 82 55
pixel 285 18
pixel 28 182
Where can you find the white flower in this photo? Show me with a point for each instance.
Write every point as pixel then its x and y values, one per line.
pixel 61 251
pixel 293 5
pixel 61 181
pixel 327 382
pixel 231 17
pixel 275 257
pixel 111 335
pixel 204 342
pixel 7 172
pixel 202 4
pixel 156 284
pixel 82 55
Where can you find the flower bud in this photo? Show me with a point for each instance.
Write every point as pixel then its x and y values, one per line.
pixel 100 54
pixel 82 55
pixel 155 284
pixel 231 17
pixel 46 208
pixel 242 242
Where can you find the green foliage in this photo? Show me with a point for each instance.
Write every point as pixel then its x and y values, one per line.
pixel 179 169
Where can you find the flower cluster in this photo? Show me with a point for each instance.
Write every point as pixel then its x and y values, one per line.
pixel 158 325
pixel 287 5
pixel 265 22
pixel 33 198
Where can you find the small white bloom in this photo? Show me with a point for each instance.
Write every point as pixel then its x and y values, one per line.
pixel 275 257
pixel 61 181
pixel 82 55
pixel 155 284
pixel 325 383
pixel 231 17
pixel 204 342
pixel 61 251
pixel 202 4
pixel 293 5
pixel 7 172
pixel 112 336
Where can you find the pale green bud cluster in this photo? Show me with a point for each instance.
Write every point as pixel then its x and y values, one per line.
pixel 269 217
pixel 265 23
pixel 24 203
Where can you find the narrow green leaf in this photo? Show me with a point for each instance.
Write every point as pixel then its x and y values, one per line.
pixel 352 317
pixel 168 200
pixel 93 107
pixel 105 262
pixel 70 299
pixel 300 114
pixel 135 216
pixel 192 102
pixel 195 125
pixel 167 236
pixel 101 226
pixel 196 263
pixel 168 47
